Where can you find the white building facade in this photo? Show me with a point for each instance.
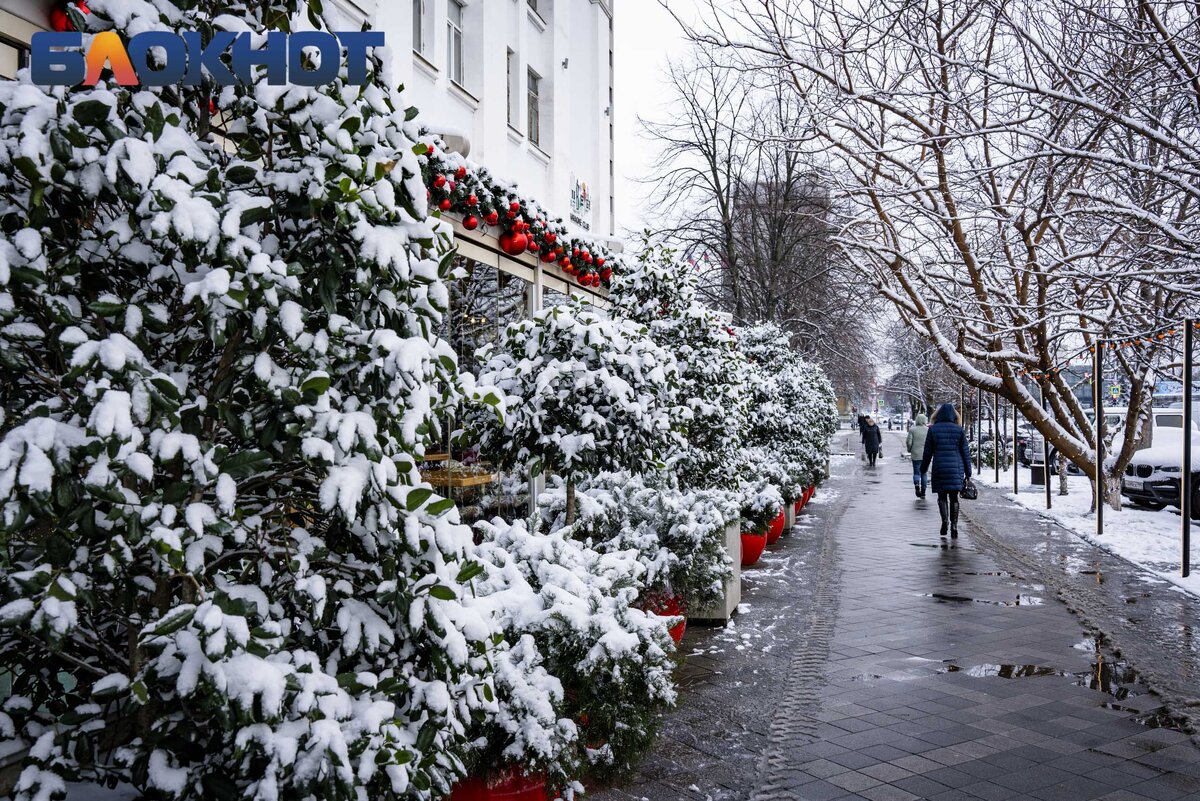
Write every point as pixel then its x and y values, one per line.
pixel 525 85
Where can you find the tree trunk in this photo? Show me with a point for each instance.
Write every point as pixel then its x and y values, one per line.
pixel 1112 492
pixel 1063 487
pixel 570 502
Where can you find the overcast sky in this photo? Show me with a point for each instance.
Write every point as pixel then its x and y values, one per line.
pixel 646 36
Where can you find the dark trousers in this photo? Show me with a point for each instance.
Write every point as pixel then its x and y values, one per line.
pixel 871 457
pixel 948 507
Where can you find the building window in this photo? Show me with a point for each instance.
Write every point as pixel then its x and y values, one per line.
pixel 13 56
pixel 419 26
pixel 454 45
pixel 535 108
pixel 512 88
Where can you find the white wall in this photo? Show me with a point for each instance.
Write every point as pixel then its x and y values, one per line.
pixel 575 130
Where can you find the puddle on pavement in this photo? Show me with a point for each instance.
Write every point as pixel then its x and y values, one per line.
pixel 1004 671
pixel 1020 600
pixel 943 546
pixel 1109 675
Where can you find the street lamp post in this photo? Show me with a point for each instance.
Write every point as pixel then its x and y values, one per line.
pixel 1185 477
pixel 1098 405
pixel 996 436
pixel 1045 450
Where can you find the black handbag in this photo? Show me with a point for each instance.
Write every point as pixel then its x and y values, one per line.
pixel 969 491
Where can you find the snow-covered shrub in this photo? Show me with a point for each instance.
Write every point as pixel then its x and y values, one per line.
pixel 659 292
pixel 794 407
pixel 222 577
pixel 761 503
pixel 679 536
pixel 584 394
pixel 612 660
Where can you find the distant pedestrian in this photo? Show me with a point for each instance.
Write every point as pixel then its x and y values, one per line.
pixel 915 442
pixel 872 439
pixel 947 450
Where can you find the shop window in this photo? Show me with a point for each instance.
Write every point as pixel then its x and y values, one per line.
pixel 483 302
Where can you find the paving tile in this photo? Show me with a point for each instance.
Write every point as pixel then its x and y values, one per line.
pixel 882 715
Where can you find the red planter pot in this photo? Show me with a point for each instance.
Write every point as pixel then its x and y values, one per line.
pixel 671 606
pixel 511 785
pixel 775 531
pixel 752 547
pixel 808 493
pixel 798 505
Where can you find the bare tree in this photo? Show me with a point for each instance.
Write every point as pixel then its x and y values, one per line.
pixel 755 218
pixel 1018 179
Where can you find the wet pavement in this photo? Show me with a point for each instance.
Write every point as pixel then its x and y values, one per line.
pixel 877 661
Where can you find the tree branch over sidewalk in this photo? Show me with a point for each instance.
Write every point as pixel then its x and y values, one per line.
pixel 1019 180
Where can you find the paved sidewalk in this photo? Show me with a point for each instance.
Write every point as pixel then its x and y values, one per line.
pixel 916 668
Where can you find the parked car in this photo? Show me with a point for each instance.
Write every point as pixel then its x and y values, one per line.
pixel 1031 449
pixel 1152 478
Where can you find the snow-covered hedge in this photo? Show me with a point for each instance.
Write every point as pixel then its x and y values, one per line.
pixel 679 537
pixel 584 394
pixel 224 579
pixel 761 503
pixel 659 292
pixel 794 408
pixel 610 662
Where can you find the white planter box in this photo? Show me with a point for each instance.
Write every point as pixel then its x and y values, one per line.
pixel 722 611
pixel 789 516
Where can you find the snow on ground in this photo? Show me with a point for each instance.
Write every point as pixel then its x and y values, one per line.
pixel 1148 539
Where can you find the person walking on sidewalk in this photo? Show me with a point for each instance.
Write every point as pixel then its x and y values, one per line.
pixel 947 450
pixel 915 443
pixel 872 439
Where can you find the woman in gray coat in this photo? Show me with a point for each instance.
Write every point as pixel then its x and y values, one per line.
pixel 915 444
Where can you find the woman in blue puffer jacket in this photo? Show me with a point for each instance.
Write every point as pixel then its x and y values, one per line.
pixel 946 448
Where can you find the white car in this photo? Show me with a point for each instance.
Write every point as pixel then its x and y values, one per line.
pixel 1152 477
pixel 1114 418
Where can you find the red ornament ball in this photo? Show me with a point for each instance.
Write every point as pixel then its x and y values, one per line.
pixel 461 172
pixel 470 222
pixel 600 262
pixel 444 204
pixel 533 246
pixel 60 20
pixel 472 200
pixel 606 274
pixel 551 238
pixel 439 182
pixel 514 207
pixel 492 218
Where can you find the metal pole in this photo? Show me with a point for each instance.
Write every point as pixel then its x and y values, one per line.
pixel 1098 405
pixel 1016 456
pixel 1045 450
pixel 996 436
pixel 978 430
pixel 1185 476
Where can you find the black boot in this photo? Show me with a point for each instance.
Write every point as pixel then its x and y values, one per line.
pixel 944 511
pixel 917 490
pixel 954 515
